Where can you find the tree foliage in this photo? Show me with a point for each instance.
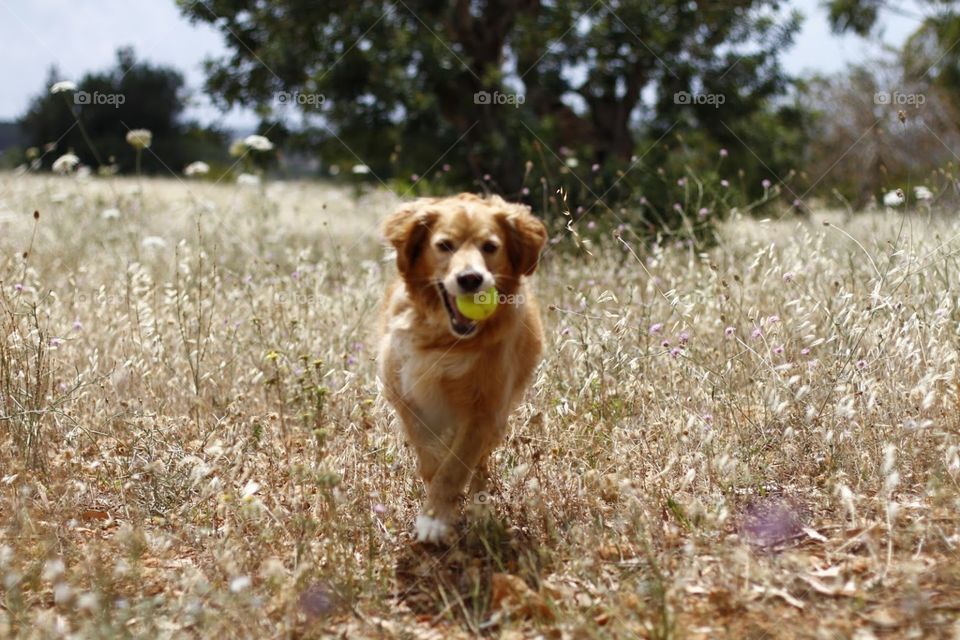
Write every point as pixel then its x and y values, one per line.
pixel 588 88
pixel 108 104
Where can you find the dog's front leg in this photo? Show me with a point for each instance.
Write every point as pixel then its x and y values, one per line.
pixel 467 450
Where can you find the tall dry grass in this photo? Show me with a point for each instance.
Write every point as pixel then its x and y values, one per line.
pixel 760 440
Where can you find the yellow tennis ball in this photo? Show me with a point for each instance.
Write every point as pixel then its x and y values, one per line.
pixel 478 306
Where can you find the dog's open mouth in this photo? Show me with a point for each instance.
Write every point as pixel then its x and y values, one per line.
pixel 459 323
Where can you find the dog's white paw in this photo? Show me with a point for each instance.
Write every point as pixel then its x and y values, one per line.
pixel 431 529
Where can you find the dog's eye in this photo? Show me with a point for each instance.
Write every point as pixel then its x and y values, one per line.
pixel 445 246
pixel 489 247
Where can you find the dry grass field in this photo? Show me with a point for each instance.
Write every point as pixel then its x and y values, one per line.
pixel 758 441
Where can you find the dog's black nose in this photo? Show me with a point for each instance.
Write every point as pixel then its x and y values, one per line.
pixel 469 281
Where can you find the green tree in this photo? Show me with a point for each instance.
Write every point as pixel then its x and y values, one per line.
pixel 408 87
pixel 930 54
pixel 132 95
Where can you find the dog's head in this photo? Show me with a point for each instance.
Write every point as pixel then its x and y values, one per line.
pixel 463 245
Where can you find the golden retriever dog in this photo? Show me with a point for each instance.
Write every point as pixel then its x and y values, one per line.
pixel 453 381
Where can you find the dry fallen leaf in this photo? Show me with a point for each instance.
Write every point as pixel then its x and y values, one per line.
pixel 511 594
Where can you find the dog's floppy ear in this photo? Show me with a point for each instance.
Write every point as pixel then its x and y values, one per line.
pixel 406 229
pixel 526 236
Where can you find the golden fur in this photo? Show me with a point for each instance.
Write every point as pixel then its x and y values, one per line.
pixel 454 382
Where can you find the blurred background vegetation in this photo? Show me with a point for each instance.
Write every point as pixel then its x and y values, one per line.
pixel 663 114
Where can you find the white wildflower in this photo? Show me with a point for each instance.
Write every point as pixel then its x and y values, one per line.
pixel 237 148
pixel 110 214
pixel 258 143
pixel 62 86
pixel 360 169
pixel 52 569
pixel 573 163
pixel 153 242
pixel 249 490
pixel 87 601
pixel 240 584
pixel 66 163
pixel 139 138
pixel 62 593
pixel 922 193
pixel 198 168
pixel 248 180
pixel 894 198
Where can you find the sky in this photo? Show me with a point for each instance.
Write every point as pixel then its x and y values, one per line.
pixel 83 35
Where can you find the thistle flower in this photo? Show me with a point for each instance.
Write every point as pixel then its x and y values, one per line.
pixel 197 168
pixel 729 332
pixel 765 183
pixel 63 86
pixel 139 139
pixel 258 143
pixel 65 163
